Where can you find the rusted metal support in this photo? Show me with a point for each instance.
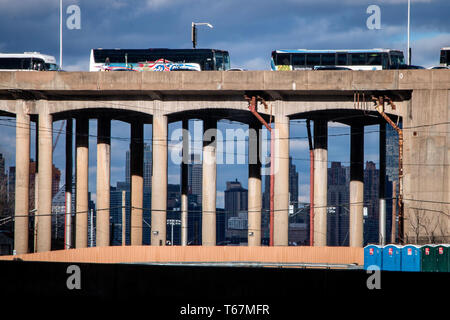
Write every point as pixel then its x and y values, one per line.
pixel 379 106
pixel 252 107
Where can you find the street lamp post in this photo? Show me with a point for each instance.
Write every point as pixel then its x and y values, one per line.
pixel 194 31
pixel 409 32
pixel 173 222
pixel 60 34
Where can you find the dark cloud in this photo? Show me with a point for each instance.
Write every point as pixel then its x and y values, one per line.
pixel 250 30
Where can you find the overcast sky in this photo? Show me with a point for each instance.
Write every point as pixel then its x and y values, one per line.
pixel 248 29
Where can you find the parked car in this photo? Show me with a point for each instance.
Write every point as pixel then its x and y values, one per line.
pixel 331 68
pixel 408 66
pixel 439 67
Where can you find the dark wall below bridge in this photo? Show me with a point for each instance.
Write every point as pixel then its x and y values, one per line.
pixel 168 288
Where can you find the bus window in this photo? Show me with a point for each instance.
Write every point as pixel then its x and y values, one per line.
pixel 10 63
pixel 328 59
pixel 342 59
pixel 374 59
pixel 283 59
pixel 444 57
pixel 313 59
pixel 358 59
pixel 298 60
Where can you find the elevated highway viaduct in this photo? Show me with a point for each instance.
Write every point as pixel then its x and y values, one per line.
pixel 421 105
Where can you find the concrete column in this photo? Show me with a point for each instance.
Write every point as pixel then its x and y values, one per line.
pixel 254 186
pixel 22 178
pixel 209 183
pixel 184 184
pixel 137 181
pixel 45 163
pixel 281 196
pixel 159 180
pixel 82 182
pixel 382 186
pixel 69 165
pixel 356 185
pixel 103 181
pixel 320 182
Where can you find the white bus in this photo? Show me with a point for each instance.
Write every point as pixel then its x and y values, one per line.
pixel 27 61
pixel 370 59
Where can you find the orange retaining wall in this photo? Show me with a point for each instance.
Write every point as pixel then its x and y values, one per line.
pixel 146 254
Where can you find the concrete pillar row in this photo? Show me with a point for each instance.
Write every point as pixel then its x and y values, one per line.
pixel 356 185
pixel 320 182
pixel 22 185
pixel 281 170
pixel 45 163
pixel 137 181
pixel 82 182
pixel 209 181
pixel 254 186
pixel 159 180
pixel 103 181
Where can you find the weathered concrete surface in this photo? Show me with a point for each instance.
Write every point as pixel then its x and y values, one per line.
pixel 22 185
pixel 426 166
pixel 224 81
pixel 45 161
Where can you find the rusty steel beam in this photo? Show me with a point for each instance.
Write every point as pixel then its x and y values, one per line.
pixel 379 106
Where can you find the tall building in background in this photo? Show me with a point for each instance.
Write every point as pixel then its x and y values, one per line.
pixel 293 185
pixel 148 167
pixel 338 198
pixel 3 187
pixel 116 213
pixel 92 218
pixel 371 196
pixel 11 186
pixel 58 219
pixel 195 177
pixel 236 207
pixel 56 179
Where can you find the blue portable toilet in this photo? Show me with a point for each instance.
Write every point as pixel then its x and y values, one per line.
pixel 392 259
pixel 372 256
pixel 411 258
